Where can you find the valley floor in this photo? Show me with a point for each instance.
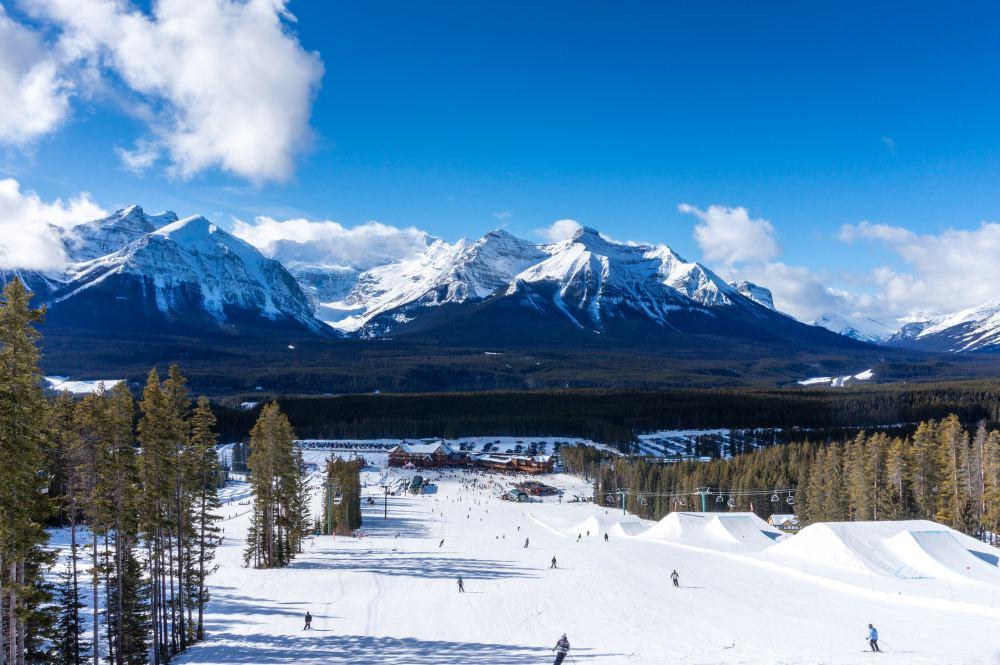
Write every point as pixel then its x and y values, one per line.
pixel 392 597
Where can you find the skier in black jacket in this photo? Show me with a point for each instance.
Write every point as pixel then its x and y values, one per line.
pixel 561 648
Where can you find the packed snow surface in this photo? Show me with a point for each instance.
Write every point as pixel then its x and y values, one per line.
pixel 64 384
pixel 392 597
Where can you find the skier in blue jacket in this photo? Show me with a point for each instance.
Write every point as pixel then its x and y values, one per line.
pixel 873 638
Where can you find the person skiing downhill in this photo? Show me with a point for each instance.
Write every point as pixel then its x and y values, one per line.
pixel 873 638
pixel 561 648
pixel 309 621
pixel 525 543
pixel 461 585
pixel 605 537
pixel 676 579
pixel 553 563
pixel 441 544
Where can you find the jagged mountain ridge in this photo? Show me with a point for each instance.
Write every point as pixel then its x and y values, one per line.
pixel 169 275
pixel 976 329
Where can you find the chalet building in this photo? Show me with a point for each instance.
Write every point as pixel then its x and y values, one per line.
pixel 425 455
pixel 439 454
pixel 786 523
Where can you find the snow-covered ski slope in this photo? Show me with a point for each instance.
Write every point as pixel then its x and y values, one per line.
pixel 746 597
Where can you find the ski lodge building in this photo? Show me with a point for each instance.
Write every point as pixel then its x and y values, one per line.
pixel 440 455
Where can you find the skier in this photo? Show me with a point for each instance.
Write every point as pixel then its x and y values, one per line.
pixel 553 563
pixel 561 648
pixel 605 537
pixel 525 543
pixel 461 585
pixel 441 544
pixel 309 621
pixel 676 578
pixel 873 638
pixel 578 537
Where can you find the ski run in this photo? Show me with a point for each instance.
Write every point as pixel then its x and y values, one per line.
pixel 747 593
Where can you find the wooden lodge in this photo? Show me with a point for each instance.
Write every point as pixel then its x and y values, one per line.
pixel 441 455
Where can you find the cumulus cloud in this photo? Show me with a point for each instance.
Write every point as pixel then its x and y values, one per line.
pixel 225 84
pixel 303 242
pixel 34 95
pixel 561 229
pixel 30 227
pixel 730 236
pixel 944 272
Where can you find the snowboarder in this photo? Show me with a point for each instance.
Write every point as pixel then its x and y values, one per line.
pixel 441 544
pixel 605 537
pixel 578 537
pixel 461 585
pixel 676 578
pixel 561 648
pixel 553 563
pixel 873 638
pixel 309 621
pixel 525 543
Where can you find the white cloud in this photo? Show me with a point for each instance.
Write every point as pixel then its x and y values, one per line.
pixel 730 236
pixel 29 227
pixel 141 158
pixel 890 144
pixel 227 84
pixel 945 272
pixel 34 96
pixel 326 243
pixel 503 215
pixel 561 229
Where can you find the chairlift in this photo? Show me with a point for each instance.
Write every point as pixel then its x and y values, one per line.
pixel 719 499
pixel 790 500
pixel 775 498
pixel 642 501
pixel 731 503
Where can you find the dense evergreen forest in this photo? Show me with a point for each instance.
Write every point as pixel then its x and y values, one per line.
pixel 942 472
pixel 615 417
pixel 140 526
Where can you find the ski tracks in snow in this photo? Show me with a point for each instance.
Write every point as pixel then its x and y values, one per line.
pixel 373 604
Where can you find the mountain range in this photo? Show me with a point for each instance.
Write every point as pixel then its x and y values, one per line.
pixel 134 272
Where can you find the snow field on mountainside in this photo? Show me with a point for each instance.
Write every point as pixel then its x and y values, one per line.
pixel 391 596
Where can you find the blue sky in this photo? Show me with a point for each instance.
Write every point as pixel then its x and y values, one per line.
pixel 458 117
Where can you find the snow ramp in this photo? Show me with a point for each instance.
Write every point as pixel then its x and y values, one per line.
pixel 937 553
pixel 598 525
pixel 908 549
pixel 744 529
pixel 726 531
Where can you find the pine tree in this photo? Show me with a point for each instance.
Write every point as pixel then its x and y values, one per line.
pixel 204 473
pixel 71 639
pixel 24 505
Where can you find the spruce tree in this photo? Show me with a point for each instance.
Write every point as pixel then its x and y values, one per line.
pixel 24 504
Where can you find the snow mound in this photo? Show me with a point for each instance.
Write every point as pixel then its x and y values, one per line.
pixel 598 525
pixel 903 549
pixel 743 531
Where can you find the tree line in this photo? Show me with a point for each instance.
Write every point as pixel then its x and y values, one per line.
pixel 615 417
pixel 942 472
pixel 134 485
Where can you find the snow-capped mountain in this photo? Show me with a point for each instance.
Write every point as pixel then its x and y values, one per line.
pixel 444 274
pixel 972 329
pixel 503 288
pixel 759 294
pixel 185 275
pixel 862 328
pixel 103 236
